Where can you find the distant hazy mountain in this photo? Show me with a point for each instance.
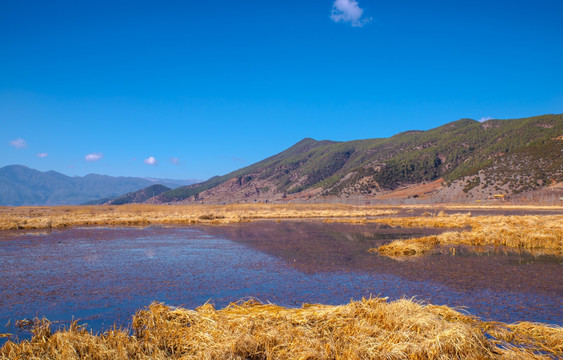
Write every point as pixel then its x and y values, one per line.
pixel 173 183
pixel 135 197
pixel 20 185
pixel 466 158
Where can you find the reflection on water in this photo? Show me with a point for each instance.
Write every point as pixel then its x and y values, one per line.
pixel 102 276
pixel 512 255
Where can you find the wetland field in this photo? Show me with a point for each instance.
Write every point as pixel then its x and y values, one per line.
pixel 264 281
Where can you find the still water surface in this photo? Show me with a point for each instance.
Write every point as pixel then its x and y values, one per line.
pixel 103 275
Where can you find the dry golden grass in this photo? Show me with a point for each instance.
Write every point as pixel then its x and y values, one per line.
pixel 366 329
pixel 529 232
pixel 66 216
pixel 481 206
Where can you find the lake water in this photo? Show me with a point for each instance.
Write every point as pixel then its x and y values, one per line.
pixel 101 276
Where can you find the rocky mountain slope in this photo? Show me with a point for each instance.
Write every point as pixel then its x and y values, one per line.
pixel 464 159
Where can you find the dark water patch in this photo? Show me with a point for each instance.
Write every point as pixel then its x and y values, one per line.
pixel 512 256
pixel 311 247
pixel 102 276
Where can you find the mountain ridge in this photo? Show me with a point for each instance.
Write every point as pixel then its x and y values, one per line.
pixel 312 169
pixel 134 197
pixel 21 185
pixel 464 160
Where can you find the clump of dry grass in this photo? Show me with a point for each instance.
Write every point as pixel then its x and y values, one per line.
pixel 367 329
pixel 133 215
pixel 520 232
pixel 410 247
pixel 534 337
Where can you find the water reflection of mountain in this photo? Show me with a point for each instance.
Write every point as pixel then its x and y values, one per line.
pixel 314 247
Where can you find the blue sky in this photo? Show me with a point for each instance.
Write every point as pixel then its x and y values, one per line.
pixel 192 89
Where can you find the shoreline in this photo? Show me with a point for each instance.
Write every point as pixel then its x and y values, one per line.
pixel 527 228
pixel 369 328
pixel 42 217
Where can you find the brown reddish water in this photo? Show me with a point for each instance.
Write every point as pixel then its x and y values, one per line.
pixel 102 275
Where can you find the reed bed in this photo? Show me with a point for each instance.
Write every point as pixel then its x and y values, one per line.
pixel 480 206
pixel 367 329
pixel 532 233
pixel 66 216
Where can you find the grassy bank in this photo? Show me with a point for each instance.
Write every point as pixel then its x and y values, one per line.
pixel 532 232
pixel 68 216
pixel 543 234
pixel 366 329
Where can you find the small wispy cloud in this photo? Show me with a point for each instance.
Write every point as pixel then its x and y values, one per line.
pixel 485 118
pixel 19 143
pixel 93 157
pixel 42 155
pixel 151 161
pixel 174 160
pixel 348 11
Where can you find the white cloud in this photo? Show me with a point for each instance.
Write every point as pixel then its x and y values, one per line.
pixel 42 155
pixel 174 160
pixel 93 157
pixel 151 161
pixel 18 143
pixel 485 118
pixel 348 11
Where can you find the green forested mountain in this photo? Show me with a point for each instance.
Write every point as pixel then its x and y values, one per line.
pixel 454 151
pixel 496 156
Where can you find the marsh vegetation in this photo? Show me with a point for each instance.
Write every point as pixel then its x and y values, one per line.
pixel 368 329
pixel 140 214
pixel 536 234
pixel 319 253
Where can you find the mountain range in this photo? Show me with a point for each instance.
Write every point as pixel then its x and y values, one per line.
pixel 133 197
pixel 459 161
pixel 464 160
pixel 20 185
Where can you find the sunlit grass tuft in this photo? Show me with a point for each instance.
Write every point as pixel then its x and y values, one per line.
pixel 531 233
pixel 367 329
